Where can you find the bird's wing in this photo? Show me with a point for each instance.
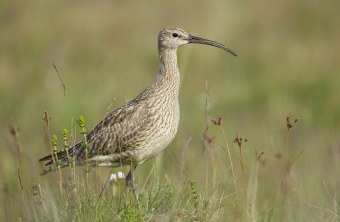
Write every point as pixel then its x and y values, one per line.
pixel 118 131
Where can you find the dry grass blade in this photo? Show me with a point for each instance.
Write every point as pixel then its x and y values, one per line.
pixel 60 78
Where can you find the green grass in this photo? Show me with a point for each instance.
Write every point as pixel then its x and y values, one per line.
pixel 106 53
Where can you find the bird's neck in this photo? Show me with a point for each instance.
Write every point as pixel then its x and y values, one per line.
pixel 168 70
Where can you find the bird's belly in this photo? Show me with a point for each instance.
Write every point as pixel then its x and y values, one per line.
pixel 160 137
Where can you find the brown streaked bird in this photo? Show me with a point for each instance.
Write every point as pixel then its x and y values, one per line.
pixel 143 127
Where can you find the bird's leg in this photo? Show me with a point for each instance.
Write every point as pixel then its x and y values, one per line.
pixel 130 180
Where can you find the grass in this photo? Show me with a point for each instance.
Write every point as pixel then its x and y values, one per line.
pixel 82 199
pixel 72 59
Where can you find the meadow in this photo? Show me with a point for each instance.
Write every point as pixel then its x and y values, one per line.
pixel 259 133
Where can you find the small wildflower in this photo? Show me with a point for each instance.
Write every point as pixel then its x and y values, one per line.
pixel 239 140
pixel 217 121
pixel 54 143
pixel 67 146
pixel 116 176
pixel 289 122
pixel 194 192
pixel 81 121
pixel 65 138
pixel 85 144
pixel 83 131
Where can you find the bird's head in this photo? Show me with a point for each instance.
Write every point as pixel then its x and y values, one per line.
pixel 172 38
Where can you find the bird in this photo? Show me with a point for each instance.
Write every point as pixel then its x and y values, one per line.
pixel 145 126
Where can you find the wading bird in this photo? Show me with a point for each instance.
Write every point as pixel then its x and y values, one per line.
pixel 143 127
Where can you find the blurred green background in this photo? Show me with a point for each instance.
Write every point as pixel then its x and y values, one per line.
pixel 106 52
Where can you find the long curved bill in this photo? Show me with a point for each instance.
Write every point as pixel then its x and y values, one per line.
pixel 198 40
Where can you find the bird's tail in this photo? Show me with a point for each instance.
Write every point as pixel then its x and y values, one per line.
pixel 61 159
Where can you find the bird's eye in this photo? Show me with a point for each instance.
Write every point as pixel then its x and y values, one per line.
pixel 174 35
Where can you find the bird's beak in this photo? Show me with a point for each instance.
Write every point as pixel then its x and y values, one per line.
pixel 198 40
